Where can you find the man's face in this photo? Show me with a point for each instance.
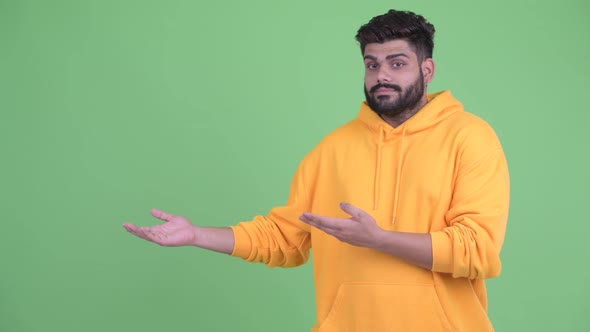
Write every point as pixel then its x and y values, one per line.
pixel 394 81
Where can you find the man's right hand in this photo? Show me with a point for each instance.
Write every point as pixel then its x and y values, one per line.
pixel 176 231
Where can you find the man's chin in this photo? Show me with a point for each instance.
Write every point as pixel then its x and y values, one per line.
pixel 388 109
pixel 383 107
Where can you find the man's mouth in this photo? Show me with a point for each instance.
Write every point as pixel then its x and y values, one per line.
pixel 384 91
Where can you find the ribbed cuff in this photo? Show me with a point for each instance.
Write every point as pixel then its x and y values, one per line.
pixel 242 242
pixel 442 252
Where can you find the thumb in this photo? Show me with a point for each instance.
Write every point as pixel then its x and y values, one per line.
pixel 161 215
pixel 354 212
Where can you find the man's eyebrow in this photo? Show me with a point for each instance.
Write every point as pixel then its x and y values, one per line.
pixel 395 55
pixel 390 56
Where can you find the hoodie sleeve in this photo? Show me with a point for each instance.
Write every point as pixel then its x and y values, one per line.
pixel 279 238
pixel 477 216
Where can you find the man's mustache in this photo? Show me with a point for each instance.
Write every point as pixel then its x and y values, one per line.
pixel 387 86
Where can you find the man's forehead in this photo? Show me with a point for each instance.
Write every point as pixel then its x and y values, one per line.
pixel 381 50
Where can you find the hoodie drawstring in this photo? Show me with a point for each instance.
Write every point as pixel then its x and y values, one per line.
pixel 378 171
pixel 398 175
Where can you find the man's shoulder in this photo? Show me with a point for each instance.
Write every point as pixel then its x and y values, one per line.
pixel 342 136
pixel 450 114
pixel 466 122
pixel 350 130
pixel 468 119
pixel 471 130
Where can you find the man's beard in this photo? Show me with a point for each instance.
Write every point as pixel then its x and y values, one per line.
pixel 408 98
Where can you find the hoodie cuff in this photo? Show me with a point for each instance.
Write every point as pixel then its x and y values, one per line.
pixel 442 252
pixel 242 242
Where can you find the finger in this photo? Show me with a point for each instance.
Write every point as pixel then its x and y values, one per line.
pixel 308 221
pixel 161 215
pixel 137 231
pixel 321 221
pixel 147 233
pixel 332 231
pixel 354 212
pixel 314 223
pixel 141 232
pixel 129 227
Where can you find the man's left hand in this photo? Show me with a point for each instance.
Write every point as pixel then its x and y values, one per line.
pixel 359 230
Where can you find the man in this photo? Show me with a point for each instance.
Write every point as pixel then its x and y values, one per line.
pixel 405 206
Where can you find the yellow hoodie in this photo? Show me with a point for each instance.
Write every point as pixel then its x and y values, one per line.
pixel 442 172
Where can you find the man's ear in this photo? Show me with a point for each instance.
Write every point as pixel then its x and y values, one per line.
pixel 428 70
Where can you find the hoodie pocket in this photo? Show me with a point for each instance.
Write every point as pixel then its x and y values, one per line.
pixel 370 307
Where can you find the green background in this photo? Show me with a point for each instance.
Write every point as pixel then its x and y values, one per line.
pixel 204 109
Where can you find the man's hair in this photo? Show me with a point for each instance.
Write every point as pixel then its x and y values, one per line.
pixel 395 24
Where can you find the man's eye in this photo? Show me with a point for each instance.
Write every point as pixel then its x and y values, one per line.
pixel 371 66
pixel 397 64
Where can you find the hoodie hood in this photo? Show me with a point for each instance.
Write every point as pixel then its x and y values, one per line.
pixel 439 107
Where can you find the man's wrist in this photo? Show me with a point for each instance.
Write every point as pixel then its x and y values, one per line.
pixel 381 240
pixel 197 236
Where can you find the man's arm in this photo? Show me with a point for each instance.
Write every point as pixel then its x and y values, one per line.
pixel 178 231
pixel 277 239
pixel 362 230
pixel 469 247
pixel 261 240
pixel 413 248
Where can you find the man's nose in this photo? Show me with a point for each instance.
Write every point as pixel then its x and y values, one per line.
pixel 383 76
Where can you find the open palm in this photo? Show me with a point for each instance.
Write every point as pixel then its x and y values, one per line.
pixel 176 231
